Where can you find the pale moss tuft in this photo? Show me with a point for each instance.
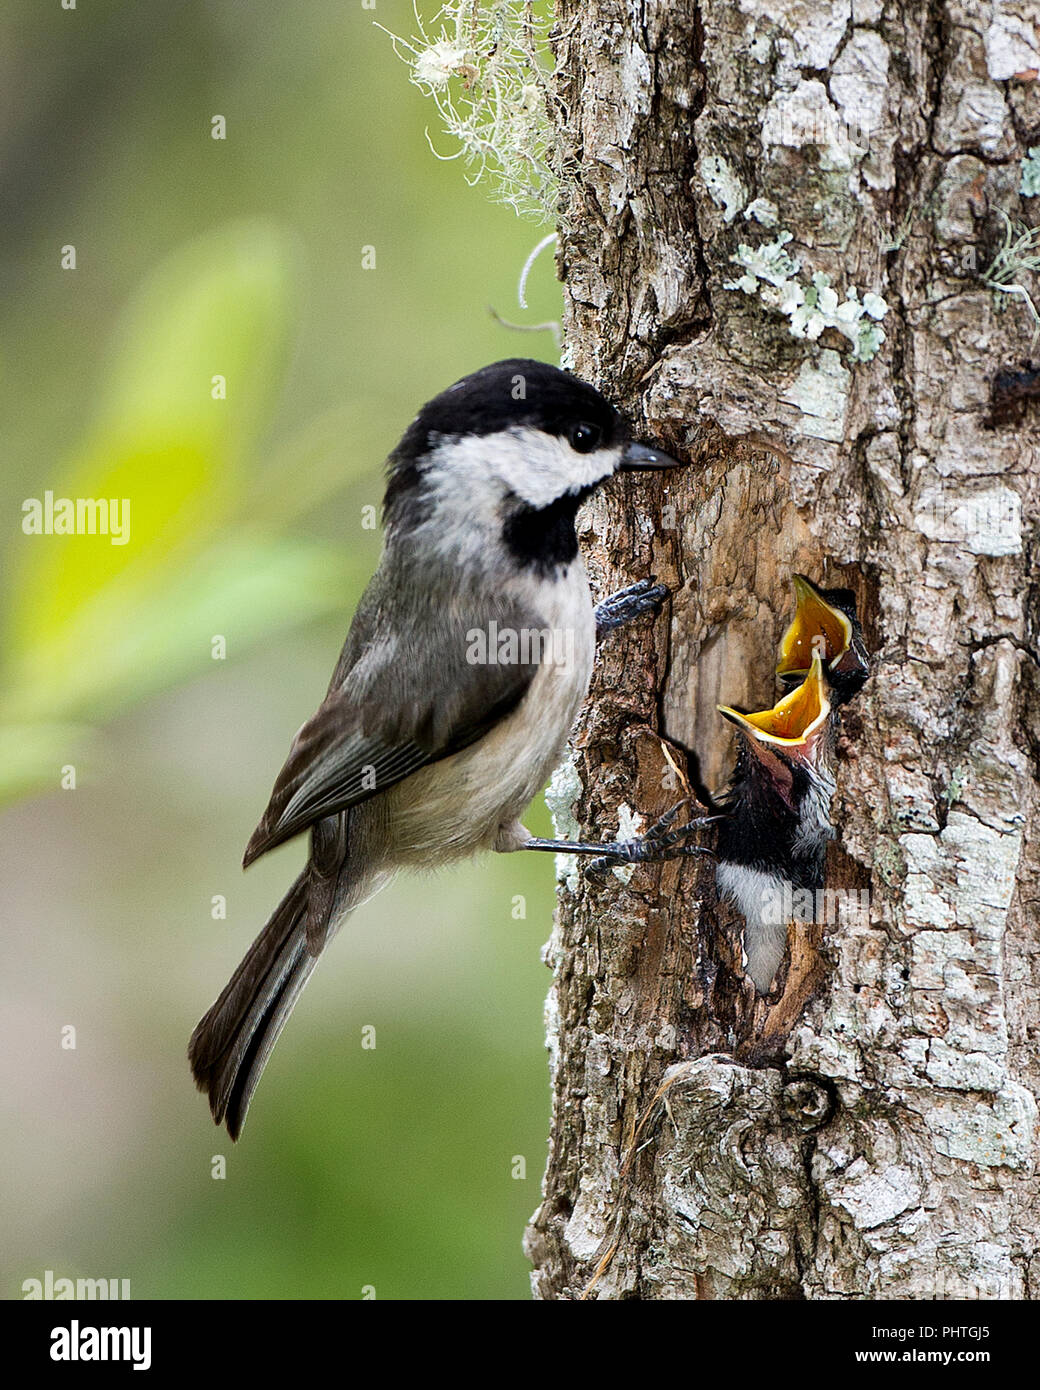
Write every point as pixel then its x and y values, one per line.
pixel 486 66
pixel 1017 259
pixel 562 796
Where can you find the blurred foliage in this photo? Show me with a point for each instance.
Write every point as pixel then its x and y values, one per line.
pixel 95 625
pixel 240 258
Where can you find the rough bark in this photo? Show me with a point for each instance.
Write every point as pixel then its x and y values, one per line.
pixel 873 1134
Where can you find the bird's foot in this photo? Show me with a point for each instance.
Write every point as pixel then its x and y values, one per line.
pixel 646 596
pixel 660 842
pixel 664 840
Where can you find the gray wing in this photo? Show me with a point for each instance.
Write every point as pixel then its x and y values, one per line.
pixel 410 696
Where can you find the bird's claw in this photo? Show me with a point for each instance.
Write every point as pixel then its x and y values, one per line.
pixel 645 596
pixel 659 843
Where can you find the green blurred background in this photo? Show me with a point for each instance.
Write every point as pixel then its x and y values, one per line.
pixel 394 1167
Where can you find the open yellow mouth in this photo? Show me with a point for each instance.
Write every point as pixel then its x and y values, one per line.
pixel 816 626
pixel 795 718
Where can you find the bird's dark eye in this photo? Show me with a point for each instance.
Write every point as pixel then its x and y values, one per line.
pixel 585 437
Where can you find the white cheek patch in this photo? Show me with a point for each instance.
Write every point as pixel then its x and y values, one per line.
pixel 538 468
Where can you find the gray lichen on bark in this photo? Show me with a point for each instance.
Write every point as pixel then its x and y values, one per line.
pixel 879 1139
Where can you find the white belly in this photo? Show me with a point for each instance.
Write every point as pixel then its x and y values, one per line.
pixel 457 806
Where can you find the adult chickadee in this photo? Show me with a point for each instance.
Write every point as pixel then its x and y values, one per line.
pixel 773 836
pixel 827 619
pixel 465 665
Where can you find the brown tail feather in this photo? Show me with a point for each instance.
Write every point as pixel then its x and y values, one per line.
pixel 232 1042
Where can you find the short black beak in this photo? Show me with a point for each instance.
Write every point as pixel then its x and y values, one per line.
pixel 637 457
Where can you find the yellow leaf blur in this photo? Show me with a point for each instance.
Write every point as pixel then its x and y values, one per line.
pixel 165 444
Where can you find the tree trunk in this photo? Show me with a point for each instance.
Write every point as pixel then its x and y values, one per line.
pixel 870 1135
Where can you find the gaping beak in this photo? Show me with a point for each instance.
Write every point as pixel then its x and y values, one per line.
pixel 637 457
pixel 817 627
pixel 793 725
